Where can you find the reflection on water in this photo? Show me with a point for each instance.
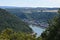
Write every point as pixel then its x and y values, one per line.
pixel 37 30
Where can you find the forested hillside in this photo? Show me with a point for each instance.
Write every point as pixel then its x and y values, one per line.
pixel 53 31
pixel 7 20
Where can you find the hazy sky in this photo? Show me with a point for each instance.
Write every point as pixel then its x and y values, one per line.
pixel 30 3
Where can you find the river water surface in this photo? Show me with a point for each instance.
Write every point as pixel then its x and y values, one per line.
pixel 36 29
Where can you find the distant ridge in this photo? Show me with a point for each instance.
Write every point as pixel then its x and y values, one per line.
pixel 42 8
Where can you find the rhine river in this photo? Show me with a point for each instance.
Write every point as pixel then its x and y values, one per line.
pixel 37 29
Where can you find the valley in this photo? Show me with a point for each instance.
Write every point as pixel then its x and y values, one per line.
pixel 35 16
pixel 29 23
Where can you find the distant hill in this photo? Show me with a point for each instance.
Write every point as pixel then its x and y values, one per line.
pixel 32 8
pixel 7 7
pixel 33 13
pixel 8 20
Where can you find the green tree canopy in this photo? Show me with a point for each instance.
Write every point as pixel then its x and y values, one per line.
pixel 53 31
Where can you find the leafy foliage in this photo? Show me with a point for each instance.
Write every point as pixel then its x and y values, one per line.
pixel 9 34
pixel 53 31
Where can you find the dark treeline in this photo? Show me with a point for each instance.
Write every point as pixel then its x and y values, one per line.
pixel 53 31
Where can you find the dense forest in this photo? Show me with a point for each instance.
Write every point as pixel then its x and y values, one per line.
pixel 53 31
pixel 7 20
pixel 9 34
